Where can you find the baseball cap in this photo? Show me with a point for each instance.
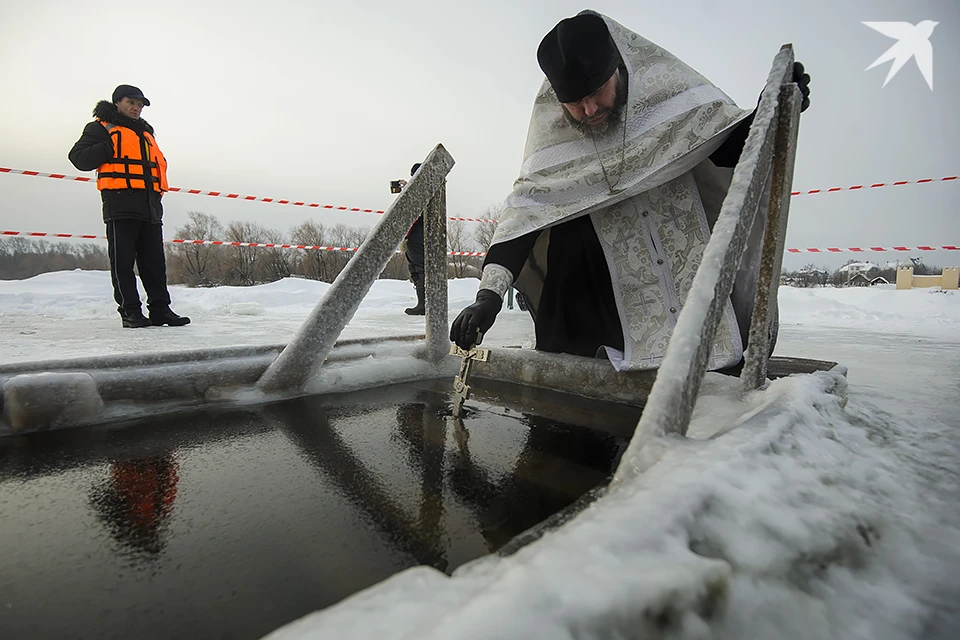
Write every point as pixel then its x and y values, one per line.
pixel 129 91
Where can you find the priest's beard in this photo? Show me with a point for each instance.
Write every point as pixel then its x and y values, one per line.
pixel 616 111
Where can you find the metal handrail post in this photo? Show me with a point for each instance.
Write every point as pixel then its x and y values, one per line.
pixel 435 275
pixel 669 406
pixel 307 351
pixel 754 374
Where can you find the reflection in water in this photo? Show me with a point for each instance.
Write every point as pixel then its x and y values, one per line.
pixel 308 425
pixel 135 502
pixel 425 434
pixel 556 465
pixel 233 532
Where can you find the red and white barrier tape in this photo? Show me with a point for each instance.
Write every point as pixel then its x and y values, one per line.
pixel 237 196
pixel 224 243
pixel 43 234
pixel 265 245
pixel 945 247
pixel 875 185
pixel 274 245
pixel 232 196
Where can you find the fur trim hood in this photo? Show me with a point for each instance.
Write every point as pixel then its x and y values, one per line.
pixel 108 112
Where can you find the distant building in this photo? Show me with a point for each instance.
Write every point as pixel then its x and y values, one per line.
pixel 858 280
pixel 859 267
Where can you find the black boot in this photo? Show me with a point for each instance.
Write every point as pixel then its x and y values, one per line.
pixel 134 319
pixel 418 310
pixel 166 316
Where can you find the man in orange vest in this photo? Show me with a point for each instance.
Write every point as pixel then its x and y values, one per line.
pixel 132 178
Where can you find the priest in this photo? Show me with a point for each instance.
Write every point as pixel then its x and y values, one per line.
pixel 628 158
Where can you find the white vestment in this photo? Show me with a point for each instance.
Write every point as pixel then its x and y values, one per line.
pixel 654 226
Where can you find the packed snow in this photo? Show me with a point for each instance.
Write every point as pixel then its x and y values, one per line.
pixel 788 513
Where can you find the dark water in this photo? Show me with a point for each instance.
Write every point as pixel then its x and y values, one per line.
pixel 231 523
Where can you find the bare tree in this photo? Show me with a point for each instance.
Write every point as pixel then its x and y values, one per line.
pixel 344 237
pixel 396 268
pixel 242 266
pixel 838 278
pixel 457 240
pixel 810 276
pixel 24 258
pixel 338 237
pixel 821 275
pixel 313 263
pixel 277 263
pixel 356 236
pixel 483 234
pixel 197 264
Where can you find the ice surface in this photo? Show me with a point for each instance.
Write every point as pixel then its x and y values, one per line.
pixel 390 364
pixel 774 514
pixel 927 312
pixel 71 313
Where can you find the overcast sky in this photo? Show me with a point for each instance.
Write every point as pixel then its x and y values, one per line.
pixel 328 101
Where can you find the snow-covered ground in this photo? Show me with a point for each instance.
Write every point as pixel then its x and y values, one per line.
pixel 69 314
pixel 762 518
pixel 901 347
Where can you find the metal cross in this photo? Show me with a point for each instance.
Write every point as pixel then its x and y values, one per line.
pixel 461 390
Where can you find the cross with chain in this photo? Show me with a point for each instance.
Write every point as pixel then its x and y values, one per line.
pixel 461 390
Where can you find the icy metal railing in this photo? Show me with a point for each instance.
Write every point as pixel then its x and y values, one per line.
pixel 425 193
pixel 770 145
pixel 754 373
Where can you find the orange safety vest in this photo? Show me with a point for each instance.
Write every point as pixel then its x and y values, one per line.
pixel 126 170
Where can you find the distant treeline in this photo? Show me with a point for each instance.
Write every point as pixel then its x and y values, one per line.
pixel 23 258
pixel 198 265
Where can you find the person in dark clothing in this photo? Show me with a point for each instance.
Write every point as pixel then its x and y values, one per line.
pixel 566 226
pixel 414 256
pixel 132 178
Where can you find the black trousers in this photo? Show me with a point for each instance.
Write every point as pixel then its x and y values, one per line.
pixel 129 242
pixel 414 254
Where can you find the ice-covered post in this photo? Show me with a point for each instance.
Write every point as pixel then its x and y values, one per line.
pixel 435 274
pixel 674 393
pixel 754 373
pixel 310 346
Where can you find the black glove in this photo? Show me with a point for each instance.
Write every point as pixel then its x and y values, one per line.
pixel 803 82
pixel 477 317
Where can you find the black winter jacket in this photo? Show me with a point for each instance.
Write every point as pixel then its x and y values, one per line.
pixel 95 148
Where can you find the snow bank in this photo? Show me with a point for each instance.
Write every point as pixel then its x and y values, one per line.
pixel 807 520
pixel 72 313
pixel 928 311
pixel 62 293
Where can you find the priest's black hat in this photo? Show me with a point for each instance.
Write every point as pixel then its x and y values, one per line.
pixel 578 56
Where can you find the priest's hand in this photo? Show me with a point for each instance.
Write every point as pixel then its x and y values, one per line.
pixel 477 318
pixel 803 83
